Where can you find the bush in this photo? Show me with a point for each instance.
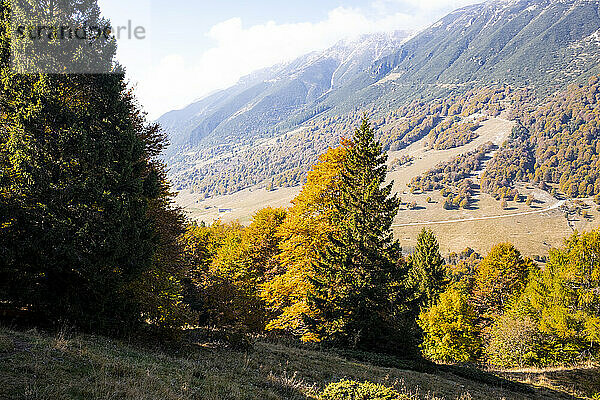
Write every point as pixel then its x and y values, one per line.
pixel 514 341
pixel 351 390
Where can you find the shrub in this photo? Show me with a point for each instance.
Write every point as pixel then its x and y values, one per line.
pixel 529 201
pixel 352 390
pixel 514 341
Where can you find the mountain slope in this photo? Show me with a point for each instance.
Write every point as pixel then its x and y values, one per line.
pixel 306 105
pixel 519 42
pixel 289 93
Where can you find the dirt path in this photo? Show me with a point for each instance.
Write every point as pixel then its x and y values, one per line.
pixel 452 221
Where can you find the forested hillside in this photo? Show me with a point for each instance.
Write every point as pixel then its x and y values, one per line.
pixel 557 145
pixel 535 44
pixel 283 161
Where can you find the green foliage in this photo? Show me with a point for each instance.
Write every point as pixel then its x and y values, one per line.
pixel 88 233
pixel 358 290
pixel 352 390
pixel 563 300
pixel 449 326
pixel 514 341
pixel 427 273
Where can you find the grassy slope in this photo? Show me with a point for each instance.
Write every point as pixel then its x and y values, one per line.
pixel 41 366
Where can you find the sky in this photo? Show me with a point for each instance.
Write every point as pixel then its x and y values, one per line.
pixel 190 48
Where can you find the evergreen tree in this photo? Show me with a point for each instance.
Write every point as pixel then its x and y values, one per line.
pixel 88 234
pixel 427 271
pixel 358 295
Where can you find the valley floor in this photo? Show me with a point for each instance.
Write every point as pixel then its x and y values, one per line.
pixel 533 229
pixel 35 365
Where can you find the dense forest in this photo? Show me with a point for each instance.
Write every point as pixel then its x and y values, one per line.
pixel 555 145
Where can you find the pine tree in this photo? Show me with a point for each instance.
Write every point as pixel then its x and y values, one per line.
pixel 427 273
pixel 358 294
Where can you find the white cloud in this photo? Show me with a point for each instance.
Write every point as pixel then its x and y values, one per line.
pixel 424 7
pixel 238 50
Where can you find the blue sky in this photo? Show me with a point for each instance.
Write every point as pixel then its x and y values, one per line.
pixel 193 48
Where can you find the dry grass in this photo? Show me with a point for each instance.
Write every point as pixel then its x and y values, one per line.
pixel 580 381
pixel 70 366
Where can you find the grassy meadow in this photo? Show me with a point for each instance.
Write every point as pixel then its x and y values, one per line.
pixel 37 365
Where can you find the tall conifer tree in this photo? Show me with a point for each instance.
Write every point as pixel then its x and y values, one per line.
pixel 358 295
pixel 427 272
pixel 88 235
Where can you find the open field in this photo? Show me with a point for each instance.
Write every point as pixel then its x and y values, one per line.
pixel 237 206
pixel 533 229
pixel 35 365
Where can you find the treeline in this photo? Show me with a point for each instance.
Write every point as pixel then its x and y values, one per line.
pixel 554 145
pixel 307 272
pixel 327 270
pixel 507 311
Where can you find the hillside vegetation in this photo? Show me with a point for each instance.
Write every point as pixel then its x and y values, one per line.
pixel 90 240
pixel 75 366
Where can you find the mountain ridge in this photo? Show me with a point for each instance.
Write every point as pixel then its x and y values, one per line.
pixel 539 44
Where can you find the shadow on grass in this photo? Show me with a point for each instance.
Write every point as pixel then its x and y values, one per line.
pixel 583 381
pixel 471 373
